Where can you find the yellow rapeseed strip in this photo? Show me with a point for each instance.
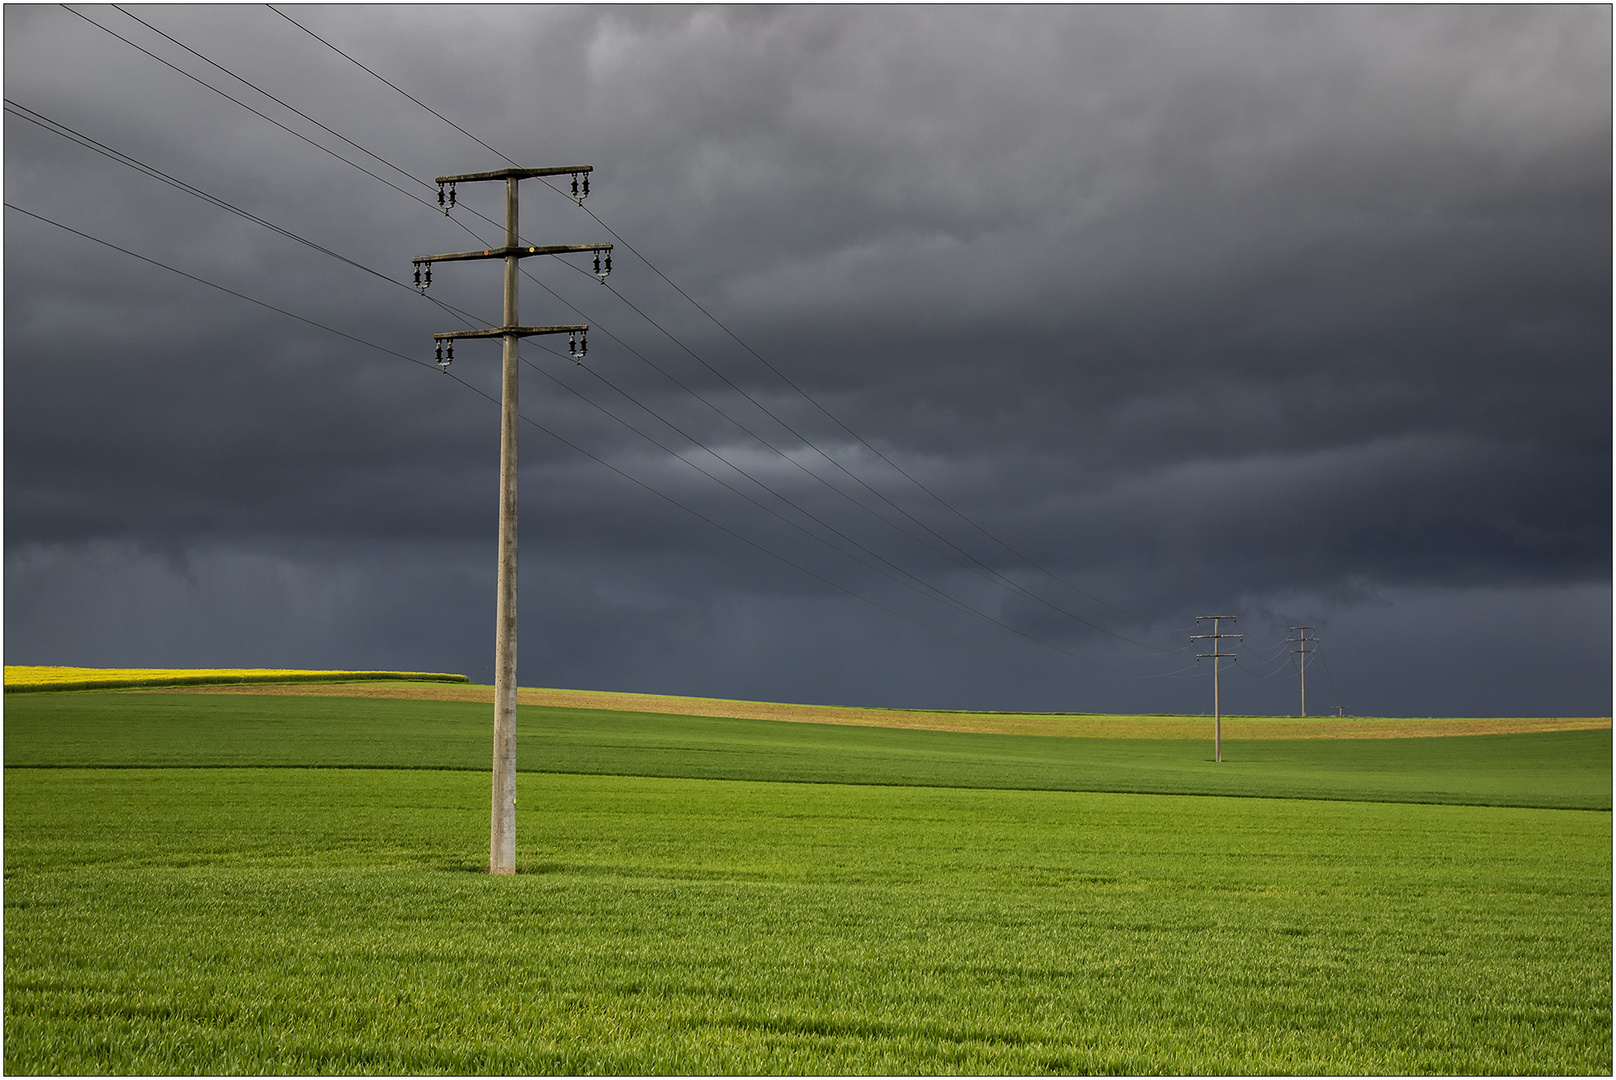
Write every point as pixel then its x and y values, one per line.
pixel 27 678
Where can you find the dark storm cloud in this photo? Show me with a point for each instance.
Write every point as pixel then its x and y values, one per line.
pixel 1300 311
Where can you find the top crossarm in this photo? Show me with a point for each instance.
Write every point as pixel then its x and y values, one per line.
pixel 519 174
pixel 518 252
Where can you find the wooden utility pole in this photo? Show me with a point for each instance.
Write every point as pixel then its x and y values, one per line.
pixel 1218 656
pixel 502 818
pixel 1302 639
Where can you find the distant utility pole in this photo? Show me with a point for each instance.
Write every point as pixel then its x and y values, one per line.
pixel 1218 656
pixel 502 820
pixel 1302 639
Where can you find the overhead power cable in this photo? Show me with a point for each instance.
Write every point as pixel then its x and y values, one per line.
pixel 55 127
pixel 221 288
pixel 779 374
pixel 252 86
pixel 996 577
pixel 751 543
pixel 1340 702
pixel 913 582
pixel 22 112
pixel 430 367
pixel 292 108
pixel 991 576
pixel 249 108
pixel 384 81
pixel 859 438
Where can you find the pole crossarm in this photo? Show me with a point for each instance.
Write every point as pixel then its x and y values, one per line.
pixel 509 252
pixel 513 174
pixel 512 331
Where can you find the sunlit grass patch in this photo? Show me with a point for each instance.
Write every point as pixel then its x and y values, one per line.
pixel 332 921
pixel 241 883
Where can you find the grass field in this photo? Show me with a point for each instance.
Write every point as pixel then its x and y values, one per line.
pixel 225 883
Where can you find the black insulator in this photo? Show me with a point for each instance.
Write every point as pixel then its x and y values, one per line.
pixel 417 275
pixel 608 262
pixel 439 344
pixel 440 194
pixel 583 347
pixel 586 185
pixel 451 195
pixel 451 348
pixel 597 262
pixel 428 275
pixel 574 185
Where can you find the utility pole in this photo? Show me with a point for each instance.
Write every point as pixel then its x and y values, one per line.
pixel 1302 639
pixel 502 819
pixel 1218 656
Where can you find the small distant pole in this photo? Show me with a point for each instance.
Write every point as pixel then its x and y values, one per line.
pixel 1218 656
pixel 1302 639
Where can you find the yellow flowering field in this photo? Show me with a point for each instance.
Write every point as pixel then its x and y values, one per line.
pixel 23 678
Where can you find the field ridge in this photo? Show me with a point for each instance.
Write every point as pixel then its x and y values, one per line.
pixel 1072 725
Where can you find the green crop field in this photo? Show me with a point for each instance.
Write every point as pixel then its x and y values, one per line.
pixel 221 884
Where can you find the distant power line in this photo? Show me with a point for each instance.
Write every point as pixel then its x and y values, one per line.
pixel 781 375
pixel 561 439
pixel 956 553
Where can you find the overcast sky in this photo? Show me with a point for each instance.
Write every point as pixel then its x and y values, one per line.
pixel 1029 335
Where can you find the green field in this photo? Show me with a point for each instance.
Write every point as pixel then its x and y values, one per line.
pixel 216 883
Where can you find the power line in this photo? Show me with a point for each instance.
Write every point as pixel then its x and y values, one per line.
pixel 221 288
pixel 863 442
pixel 55 127
pixel 272 97
pixel 806 396
pixel 22 112
pixel 1000 579
pixel 915 583
pixel 413 98
pixel 249 108
pixel 291 108
pixel 61 129
pixel 422 364
pixel 1340 704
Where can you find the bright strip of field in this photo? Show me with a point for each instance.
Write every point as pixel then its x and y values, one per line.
pixel 24 679
pixel 1090 725
pixel 125 730
pixel 334 921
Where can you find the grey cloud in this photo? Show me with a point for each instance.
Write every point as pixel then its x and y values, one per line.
pixel 1275 307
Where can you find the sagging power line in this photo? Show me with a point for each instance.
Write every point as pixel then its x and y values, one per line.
pixel 1000 579
pixel 785 379
pixel 955 553
pixel 600 269
pixel 558 437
